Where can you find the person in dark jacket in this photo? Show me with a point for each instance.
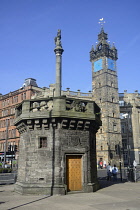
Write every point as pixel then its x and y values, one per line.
pixel 114 172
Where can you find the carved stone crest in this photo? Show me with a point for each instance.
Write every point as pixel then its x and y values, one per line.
pixel 77 106
pixel 74 141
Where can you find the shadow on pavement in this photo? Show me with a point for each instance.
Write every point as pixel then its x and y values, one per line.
pixel 29 203
pixel 105 183
pixel 102 178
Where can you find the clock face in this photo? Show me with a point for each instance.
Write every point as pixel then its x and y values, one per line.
pixel 111 64
pixel 98 65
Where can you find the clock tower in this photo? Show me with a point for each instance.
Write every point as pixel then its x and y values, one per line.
pixel 105 93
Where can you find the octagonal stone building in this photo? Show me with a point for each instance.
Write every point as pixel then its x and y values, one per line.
pixel 57 151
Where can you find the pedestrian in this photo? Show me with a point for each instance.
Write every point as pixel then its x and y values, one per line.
pixel 104 164
pixel 109 172
pixel 101 164
pixel 134 164
pixel 114 172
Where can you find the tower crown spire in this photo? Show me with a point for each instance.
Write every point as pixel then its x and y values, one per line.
pixel 103 48
pixel 102 35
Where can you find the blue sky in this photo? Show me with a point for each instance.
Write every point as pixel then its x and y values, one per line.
pixel 28 28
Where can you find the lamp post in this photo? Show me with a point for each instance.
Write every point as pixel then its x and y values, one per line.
pixel 128 149
pixel 120 161
pixel 6 139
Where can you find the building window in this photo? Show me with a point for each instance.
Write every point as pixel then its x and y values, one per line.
pixel 42 142
pixel 115 127
pixel 10 136
pixel 125 155
pixel 11 121
pixel 121 116
pixel 123 128
pixel 15 99
pixel 5 112
pixel 13 110
pixel 24 96
pixel 13 133
pixel 124 143
pixel 121 103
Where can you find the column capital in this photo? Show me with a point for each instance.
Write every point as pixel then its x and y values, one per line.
pixel 58 51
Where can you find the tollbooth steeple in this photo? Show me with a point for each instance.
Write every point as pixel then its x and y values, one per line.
pixel 105 92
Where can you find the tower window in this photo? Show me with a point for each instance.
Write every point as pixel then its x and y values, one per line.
pixel 42 142
pixel 115 127
pixel 99 84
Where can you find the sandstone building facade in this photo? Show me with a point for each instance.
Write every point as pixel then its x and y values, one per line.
pixel 130 126
pixel 9 136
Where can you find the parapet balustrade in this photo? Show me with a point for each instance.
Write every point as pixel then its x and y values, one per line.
pixel 34 106
pixel 51 92
pixel 68 104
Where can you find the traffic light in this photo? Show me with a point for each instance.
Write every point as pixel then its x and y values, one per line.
pixel 9 148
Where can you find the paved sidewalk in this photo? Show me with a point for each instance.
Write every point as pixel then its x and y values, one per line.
pixel 119 196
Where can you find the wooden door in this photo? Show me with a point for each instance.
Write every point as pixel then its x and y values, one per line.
pixel 74 173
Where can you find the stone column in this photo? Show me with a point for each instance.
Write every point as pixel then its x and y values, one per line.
pixel 58 51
